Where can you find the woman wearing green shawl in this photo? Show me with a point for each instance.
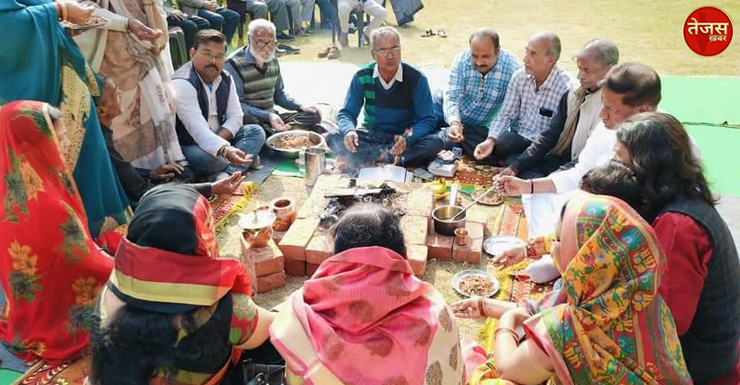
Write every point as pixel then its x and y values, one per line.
pixel 40 61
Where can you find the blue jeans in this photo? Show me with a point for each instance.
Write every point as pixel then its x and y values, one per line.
pixel 224 20
pixel 249 139
pixel 375 146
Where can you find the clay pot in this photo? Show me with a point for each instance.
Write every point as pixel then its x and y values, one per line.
pixel 285 213
pixel 257 227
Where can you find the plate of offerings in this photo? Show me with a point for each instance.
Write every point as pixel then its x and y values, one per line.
pixel 92 22
pixel 491 199
pixel 475 283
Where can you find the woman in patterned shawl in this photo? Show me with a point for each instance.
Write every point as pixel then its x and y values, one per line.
pixel 605 324
pixel 51 270
pixel 173 312
pixel 40 61
pixel 364 318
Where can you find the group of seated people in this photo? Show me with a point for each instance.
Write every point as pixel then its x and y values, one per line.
pixel 622 216
pixel 291 17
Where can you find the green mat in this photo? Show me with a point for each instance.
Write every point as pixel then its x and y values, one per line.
pixel 703 103
pixel 8 376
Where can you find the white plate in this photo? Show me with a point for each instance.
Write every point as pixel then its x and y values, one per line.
pixel 466 273
pixel 498 244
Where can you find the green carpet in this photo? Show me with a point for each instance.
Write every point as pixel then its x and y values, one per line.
pixel 703 103
pixel 8 376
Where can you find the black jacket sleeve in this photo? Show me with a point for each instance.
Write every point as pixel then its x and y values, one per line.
pixel 545 141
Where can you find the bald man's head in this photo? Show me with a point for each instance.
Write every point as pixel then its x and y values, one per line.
pixel 542 53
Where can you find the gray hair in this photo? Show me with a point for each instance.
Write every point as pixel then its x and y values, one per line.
pixel 607 53
pixel 486 32
pixel 260 24
pixel 553 42
pixel 383 32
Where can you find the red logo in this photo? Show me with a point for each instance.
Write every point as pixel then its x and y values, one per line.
pixel 707 31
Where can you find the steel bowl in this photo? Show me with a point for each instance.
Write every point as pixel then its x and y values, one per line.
pixel 316 140
pixel 442 223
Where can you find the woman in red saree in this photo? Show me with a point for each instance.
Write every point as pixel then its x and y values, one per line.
pixel 51 271
pixel 364 318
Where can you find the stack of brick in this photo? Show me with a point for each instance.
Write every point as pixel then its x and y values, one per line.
pixel 265 266
pixel 294 243
pixel 415 227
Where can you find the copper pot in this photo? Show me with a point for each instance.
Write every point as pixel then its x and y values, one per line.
pixel 285 213
pixel 257 227
pixel 461 236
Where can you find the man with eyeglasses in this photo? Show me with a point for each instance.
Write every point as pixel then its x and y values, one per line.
pixel 577 116
pixel 259 84
pixel 210 125
pixel 398 120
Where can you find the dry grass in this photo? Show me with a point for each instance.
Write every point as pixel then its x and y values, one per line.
pixel 645 30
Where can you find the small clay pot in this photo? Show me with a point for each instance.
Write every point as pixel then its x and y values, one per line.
pixel 461 236
pixel 285 213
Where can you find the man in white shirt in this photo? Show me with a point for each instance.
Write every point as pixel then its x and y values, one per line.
pixel 209 116
pixel 629 88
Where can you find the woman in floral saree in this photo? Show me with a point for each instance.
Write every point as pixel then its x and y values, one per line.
pixel 40 61
pixel 605 324
pixel 51 271
pixel 364 318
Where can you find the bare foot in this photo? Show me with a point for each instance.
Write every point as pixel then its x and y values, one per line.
pixel 344 40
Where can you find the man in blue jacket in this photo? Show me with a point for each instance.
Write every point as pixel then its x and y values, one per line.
pixel 399 121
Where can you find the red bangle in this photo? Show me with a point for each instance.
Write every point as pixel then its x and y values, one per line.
pixel 481 306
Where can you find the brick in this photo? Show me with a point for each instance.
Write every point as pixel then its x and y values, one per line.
pixel 470 253
pixel 415 229
pixel 270 282
pixel 477 215
pixel 319 248
pixel 267 260
pixel 293 245
pixel 311 268
pixel 417 256
pixel 248 262
pixel 295 268
pixel 313 205
pixel 475 230
pixel 439 246
pixel 420 202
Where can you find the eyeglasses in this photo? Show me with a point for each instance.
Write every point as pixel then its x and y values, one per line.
pixel 212 56
pixel 395 50
pixel 263 44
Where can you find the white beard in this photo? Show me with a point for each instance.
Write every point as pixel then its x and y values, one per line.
pixel 259 56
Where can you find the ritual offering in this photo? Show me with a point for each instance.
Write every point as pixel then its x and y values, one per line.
pixel 290 143
pixel 475 283
pixel 491 199
pixel 257 227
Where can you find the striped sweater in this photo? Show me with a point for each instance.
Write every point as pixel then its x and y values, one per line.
pixel 407 104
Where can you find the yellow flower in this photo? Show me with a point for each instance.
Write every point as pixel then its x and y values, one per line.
pixel 37 348
pixel 84 289
pixel 31 180
pixel 23 259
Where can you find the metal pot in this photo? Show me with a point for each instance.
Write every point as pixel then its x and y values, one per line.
pixel 442 223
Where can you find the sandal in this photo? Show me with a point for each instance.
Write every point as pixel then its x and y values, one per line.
pixel 334 53
pixel 324 53
pixel 428 33
pixel 442 33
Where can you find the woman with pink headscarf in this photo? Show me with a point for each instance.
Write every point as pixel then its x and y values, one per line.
pixel 364 318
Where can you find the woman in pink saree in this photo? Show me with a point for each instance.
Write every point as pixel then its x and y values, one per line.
pixel 364 318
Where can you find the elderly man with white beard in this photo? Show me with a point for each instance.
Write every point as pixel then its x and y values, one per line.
pixel 260 87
